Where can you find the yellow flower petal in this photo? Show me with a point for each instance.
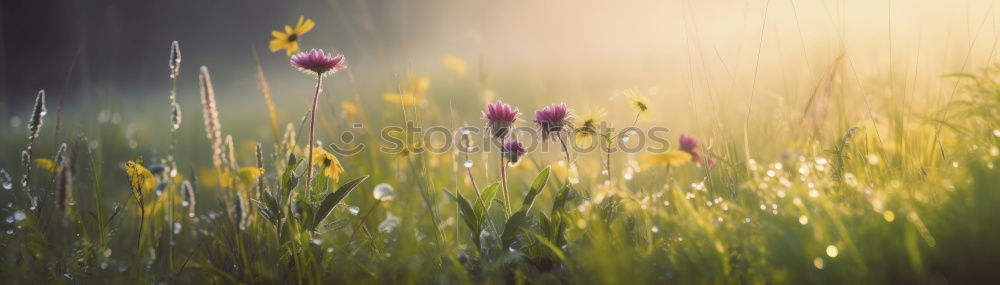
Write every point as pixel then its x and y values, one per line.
pixel 250 174
pixel 276 45
pixel 671 158
pixel 139 177
pixel 418 84
pixel 47 164
pixel 404 99
pixel 278 35
pixel 348 108
pixel 332 166
pixel 288 30
pixel 303 28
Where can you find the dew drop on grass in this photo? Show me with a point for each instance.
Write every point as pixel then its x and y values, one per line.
pixel 177 228
pixel 317 241
pixel 19 216
pixel 353 210
pixel 383 192
pixel 803 220
pixel 468 163
pixel 389 224
pixel 10 220
pixel 5 180
pixel 818 262
pixel 655 229
pixel 832 251
pixel 996 133
pixel 889 216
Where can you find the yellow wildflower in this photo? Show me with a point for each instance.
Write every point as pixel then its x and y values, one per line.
pixel 332 167
pixel 413 90
pixel 47 164
pixel 226 179
pixel 589 128
pixel 417 84
pixel 349 109
pixel 250 174
pixel 638 102
pixel 455 65
pixel 289 40
pixel 405 99
pixel 671 158
pixel 139 177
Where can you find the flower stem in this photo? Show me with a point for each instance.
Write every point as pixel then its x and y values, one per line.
pixel 312 122
pixel 364 217
pixel 564 149
pixel 503 180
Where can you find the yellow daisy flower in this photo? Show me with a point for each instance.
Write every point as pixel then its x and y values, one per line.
pixel 250 174
pixel 332 167
pixel 671 158
pixel 589 127
pixel 226 179
pixel 289 40
pixel 47 164
pixel 638 102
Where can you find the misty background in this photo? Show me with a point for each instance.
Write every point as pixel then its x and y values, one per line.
pixel 116 51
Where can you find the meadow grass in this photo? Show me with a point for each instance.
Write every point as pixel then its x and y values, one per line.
pixel 816 196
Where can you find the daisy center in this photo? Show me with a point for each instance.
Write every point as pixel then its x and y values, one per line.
pixel 292 37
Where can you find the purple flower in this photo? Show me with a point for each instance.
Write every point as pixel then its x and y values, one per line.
pixel 690 144
pixel 499 118
pixel 513 150
pixel 315 61
pixel 552 119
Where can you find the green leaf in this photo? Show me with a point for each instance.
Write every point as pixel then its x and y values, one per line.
pixel 472 220
pixel 268 207
pixel 561 198
pixel 332 199
pixel 320 183
pixel 513 227
pixel 545 224
pixel 288 178
pixel 536 188
pixel 468 214
pixel 488 194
